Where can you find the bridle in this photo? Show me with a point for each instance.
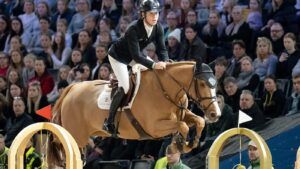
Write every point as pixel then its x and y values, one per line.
pixel 199 99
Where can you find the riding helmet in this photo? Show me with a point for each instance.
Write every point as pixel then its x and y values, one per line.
pixel 150 5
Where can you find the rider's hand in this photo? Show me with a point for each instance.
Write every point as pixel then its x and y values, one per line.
pixel 160 65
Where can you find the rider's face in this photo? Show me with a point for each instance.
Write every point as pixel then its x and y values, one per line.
pixel 151 18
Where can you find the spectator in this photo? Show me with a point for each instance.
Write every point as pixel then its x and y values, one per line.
pixel 14 90
pixel 104 72
pixel 83 11
pixel 174 45
pixel 3 153
pixel 248 105
pixel 212 33
pixel 101 54
pixel 273 99
pixel 185 6
pixel 86 74
pixel 4 64
pixel 129 10
pixel 171 160
pixel 220 74
pixel 13 77
pixel 85 46
pixel 234 65
pixel 60 53
pixel 105 25
pixel 254 155
pixel 232 93
pixel 29 19
pixel 288 58
pixel 4 30
pixel 109 9
pixel 292 105
pixel 224 123
pixel 15 125
pixel 247 79
pixel 17 29
pixel 43 10
pixel 61 26
pixel 193 20
pixel 238 29
pixel 226 11
pixel 122 26
pixel 47 50
pixel 17 61
pixel 104 38
pixel 3 114
pixel 3 85
pixel 193 47
pixel 43 76
pixel 28 70
pixel 169 5
pixel 35 44
pixel 15 43
pixel 76 58
pixel 254 18
pixel 36 101
pixel 266 62
pixel 63 12
pixel 276 35
pixel 150 51
pixel 171 25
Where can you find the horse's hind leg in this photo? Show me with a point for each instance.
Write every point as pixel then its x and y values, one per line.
pixel 191 119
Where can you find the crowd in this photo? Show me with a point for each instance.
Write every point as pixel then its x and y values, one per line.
pixel 45 45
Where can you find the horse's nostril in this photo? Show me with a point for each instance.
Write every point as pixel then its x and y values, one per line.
pixel 213 115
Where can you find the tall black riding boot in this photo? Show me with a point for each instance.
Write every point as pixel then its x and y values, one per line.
pixel 115 104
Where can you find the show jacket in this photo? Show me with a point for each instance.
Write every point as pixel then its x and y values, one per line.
pixel 130 46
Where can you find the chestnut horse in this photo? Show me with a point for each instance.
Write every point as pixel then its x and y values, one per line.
pixel 160 105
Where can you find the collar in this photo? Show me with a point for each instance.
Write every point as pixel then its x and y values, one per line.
pixel 148 29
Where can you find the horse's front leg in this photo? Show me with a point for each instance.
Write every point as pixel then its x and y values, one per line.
pixel 193 120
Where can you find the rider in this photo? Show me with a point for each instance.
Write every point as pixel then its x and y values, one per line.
pixel 128 51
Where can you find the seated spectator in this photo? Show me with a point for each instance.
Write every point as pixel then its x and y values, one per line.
pixel 292 105
pixel 247 79
pixel 14 90
pixel 4 30
pixel 122 25
pixel 28 70
pixel 288 58
pixel 15 43
pixel 254 18
pixel 63 12
pixel 174 45
pixel 3 114
pixel 284 13
pixel 172 22
pixel 109 9
pixel 220 74
pixel 150 51
pixel 3 85
pixel 59 52
pixel 238 29
pixel 171 160
pixel 15 125
pixel 3 153
pixel 232 95
pixel 16 61
pixel 276 37
pixel 83 10
pixel 29 19
pixel 234 65
pixel 129 9
pixel 13 77
pixel 101 54
pixel 193 47
pixel 4 64
pixel 212 33
pixel 43 76
pixel 36 101
pixel 266 62
pixel 192 19
pixel 105 25
pixel 225 122
pixel 273 99
pixel 248 106
pixel 104 72
pixel 61 26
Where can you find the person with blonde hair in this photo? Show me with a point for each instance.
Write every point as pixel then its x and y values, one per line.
pixel 266 62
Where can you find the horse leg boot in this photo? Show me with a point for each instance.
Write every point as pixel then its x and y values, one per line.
pixel 115 104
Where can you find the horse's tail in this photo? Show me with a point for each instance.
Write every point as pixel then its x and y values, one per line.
pixel 55 149
pixel 56 111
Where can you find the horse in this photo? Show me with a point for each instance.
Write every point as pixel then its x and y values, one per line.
pixel 160 105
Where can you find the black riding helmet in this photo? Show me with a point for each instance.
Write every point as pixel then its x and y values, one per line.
pixel 149 5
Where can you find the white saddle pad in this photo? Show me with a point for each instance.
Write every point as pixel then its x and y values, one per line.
pixel 104 99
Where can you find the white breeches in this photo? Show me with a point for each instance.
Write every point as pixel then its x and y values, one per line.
pixel 121 72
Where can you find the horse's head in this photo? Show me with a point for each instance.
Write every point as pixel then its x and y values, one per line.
pixel 205 92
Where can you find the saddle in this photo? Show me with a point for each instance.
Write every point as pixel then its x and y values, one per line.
pixel 113 84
